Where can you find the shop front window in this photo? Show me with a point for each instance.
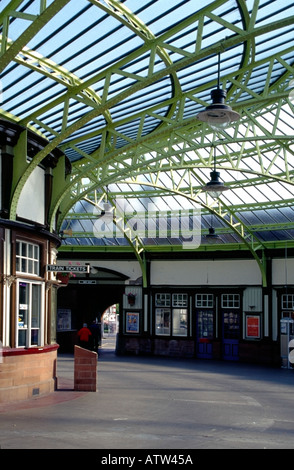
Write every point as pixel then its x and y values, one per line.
pixel 29 314
pixel 171 320
pixel 163 321
pixel 180 322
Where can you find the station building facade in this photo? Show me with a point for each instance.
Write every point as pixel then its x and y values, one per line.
pixel 28 293
pixel 193 307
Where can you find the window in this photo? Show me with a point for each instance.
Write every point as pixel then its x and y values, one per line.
pixel 230 300
pixel 29 313
pixel 180 300
pixel 169 320
pixel 162 321
pixel 27 258
pixel 204 300
pixel 180 322
pixel 288 301
pixel 162 300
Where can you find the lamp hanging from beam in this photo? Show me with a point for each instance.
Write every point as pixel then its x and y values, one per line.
pixel 211 231
pixel 107 211
pixel 218 115
pixel 214 187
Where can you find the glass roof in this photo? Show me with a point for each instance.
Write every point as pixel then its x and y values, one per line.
pixel 118 85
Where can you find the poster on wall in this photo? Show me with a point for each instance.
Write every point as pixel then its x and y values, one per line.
pixel 132 322
pixel 253 326
pixel 63 319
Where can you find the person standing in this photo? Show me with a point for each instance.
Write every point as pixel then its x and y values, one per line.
pixel 96 335
pixel 84 336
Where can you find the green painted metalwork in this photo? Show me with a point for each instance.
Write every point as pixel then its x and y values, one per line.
pixel 9 50
pixel 254 153
pixel 133 240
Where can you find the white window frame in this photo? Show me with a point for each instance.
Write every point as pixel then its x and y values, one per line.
pixel 175 327
pixel 180 300
pixel 28 327
pixel 287 302
pixel 231 300
pixel 33 260
pixel 162 299
pixel 204 300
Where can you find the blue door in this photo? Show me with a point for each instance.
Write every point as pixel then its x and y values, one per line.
pixel 204 333
pixel 231 335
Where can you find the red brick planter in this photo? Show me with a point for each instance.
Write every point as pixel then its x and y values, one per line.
pixel 85 370
pixel 25 373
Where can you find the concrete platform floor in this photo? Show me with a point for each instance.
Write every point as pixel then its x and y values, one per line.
pixel 157 403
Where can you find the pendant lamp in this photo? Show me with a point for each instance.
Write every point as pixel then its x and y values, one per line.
pixel 211 233
pixel 107 212
pixel 218 115
pixel 214 187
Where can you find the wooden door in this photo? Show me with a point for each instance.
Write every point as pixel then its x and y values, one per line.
pixel 231 334
pixel 205 332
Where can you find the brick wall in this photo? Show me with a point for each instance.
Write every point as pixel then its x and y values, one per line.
pixel 85 370
pixel 27 373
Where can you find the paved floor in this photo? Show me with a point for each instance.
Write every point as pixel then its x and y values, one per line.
pixel 158 403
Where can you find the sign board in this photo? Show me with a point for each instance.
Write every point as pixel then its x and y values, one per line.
pixel 132 323
pixel 63 319
pixel 68 269
pixel 87 282
pixel 253 326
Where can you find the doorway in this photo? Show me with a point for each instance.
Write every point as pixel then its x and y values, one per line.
pixel 109 327
pixel 231 334
pixel 86 303
pixel 204 336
